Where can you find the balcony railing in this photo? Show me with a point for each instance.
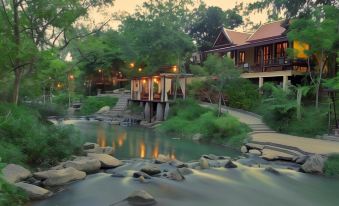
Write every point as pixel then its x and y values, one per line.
pixel 275 64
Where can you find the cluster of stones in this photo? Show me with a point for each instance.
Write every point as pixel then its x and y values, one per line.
pixel 38 184
pixel 309 163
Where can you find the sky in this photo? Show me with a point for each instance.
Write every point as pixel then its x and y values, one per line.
pixel 98 17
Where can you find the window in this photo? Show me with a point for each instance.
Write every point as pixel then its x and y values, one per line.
pixel 257 55
pixel 267 54
pixel 241 57
pixel 281 49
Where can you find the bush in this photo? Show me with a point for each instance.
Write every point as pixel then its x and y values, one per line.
pixel 188 118
pixel 48 109
pixel 242 94
pixel 332 166
pixel 93 104
pixel 279 111
pixel 27 139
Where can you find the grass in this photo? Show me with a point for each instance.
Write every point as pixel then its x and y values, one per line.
pixel 188 118
pixel 92 104
pixel 25 138
pixel 332 166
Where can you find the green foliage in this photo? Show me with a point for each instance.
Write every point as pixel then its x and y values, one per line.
pixel 48 109
pixel 92 104
pixel 332 166
pixel 332 83
pixel 206 24
pixel 31 141
pixel 11 195
pixel 188 118
pixel 198 70
pixel 279 111
pixel 160 38
pixel 242 94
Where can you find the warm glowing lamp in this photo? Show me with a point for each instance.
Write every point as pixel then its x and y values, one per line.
pixel 139 69
pixel 175 68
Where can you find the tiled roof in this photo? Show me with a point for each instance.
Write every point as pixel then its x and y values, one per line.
pixel 268 30
pixel 236 37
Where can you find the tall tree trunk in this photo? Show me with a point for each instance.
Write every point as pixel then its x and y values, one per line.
pixel 17 69
pixel 17 82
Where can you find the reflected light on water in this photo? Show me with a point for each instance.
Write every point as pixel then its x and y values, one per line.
pixel 121 138
pixel 142 149
pixel 155 152
pixel 101 137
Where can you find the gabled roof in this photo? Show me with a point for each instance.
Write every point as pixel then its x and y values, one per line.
pixel 268 30
pixel 233 37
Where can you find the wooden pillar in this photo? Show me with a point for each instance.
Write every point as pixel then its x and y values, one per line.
pixel 261 82
pixel 166 112
pixel 163 91
pixel 160 112
pixel 147 112
pixel 285 83
pixel 139 90
pixel 132 88
pixel 150 86
pixel 261 59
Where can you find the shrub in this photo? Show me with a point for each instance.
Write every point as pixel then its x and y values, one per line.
pixel 332 166
pixel 93 104
pixel 23 132
pixel 242 94
pixel 48 109
pixel 188 118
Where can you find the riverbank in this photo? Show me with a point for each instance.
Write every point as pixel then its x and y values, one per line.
pixel 162 171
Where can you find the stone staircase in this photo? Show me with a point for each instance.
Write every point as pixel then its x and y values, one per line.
pixel 120 106
pixel 262 128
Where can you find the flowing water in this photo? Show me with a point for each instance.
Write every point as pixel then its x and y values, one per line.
pixel 242 186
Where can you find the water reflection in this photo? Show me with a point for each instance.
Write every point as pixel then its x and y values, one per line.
pixel 135 142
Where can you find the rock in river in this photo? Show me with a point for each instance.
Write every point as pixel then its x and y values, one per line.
pixel 60 177
pixel 151 169
pixel 141 197
pixel 85 164
pixel 204 163
pixel 314 164
pixel 176 175
pixel 15 173
pixel 34 192
pixel 90 145
pixel 230 164
pixel 162 159
pixel 272 170
pixel 106 161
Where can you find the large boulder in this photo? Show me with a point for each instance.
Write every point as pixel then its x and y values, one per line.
pixel 34 192
pixel 177 163
pixel 204 163
pixel 101 150
pixel 151 169
pixel 243 149
pixel 230 165
pixel 13 173
pixel 106 161
pixel 314 164
pixel 60 177
pixel 104 109
pixel 85 164
pixel 162 159
pixel 176 175
pixel 90 145
pixel 255 152
pixel 141 197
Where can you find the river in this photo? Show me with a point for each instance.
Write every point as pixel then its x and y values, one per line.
pixel 242 186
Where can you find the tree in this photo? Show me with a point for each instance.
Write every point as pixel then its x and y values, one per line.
pixel 208 20
pixel 290 8
pixel 222 70
pixel 320 32
pixel 156 32
pixel 32 26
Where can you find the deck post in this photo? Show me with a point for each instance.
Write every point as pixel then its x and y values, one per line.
pixel 160 112
pixel 261 82
pixel 285 83
pixel 167 108
pixel 147 112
